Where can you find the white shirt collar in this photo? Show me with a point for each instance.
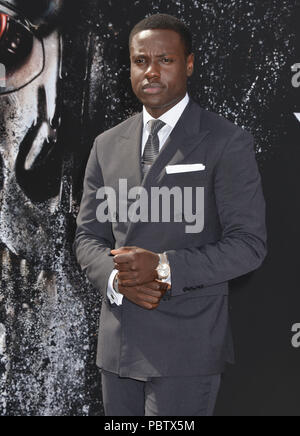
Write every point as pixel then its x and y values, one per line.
pixel 172 116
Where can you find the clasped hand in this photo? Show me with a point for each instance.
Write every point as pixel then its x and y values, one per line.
pixel 137 276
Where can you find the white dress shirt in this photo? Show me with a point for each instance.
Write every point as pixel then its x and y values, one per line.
pixel 170 119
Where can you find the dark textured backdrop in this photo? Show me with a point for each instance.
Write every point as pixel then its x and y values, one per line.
pixel 48 312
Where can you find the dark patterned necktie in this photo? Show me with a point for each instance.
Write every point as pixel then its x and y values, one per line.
pixel 151 150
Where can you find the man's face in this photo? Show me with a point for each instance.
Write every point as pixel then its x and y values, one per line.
pixel 159 69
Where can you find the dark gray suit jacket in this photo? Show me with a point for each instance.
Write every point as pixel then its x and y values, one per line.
pixel 189 334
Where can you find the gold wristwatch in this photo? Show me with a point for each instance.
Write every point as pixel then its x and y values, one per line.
pixel 163 269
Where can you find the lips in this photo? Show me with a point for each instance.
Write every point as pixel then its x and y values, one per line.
pixel 153 88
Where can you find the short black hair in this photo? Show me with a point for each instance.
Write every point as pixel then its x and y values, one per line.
pixel 166 22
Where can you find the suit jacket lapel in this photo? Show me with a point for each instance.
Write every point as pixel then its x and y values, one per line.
pixel 185 137
pixel 129 153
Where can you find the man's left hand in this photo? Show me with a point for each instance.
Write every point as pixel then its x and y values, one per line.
pixel 136 266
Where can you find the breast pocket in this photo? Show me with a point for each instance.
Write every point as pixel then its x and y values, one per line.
pixel 190 179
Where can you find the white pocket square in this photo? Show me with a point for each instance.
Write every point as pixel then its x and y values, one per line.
pixel 173 169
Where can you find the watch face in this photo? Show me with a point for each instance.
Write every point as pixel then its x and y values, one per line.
pixel 163 271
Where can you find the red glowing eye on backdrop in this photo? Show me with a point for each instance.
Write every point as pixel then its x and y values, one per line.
pixel 22 56
pixel 3 23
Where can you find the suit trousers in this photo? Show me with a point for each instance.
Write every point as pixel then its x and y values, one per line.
pixel 159 396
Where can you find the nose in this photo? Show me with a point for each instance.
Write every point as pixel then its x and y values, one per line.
pixel 153 71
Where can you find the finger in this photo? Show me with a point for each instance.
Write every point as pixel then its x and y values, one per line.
pixel 126 266
pixel 127 275
pixel 123 267
pixel 148 306
pixel 137 281
pixel 152 292
pixel 123 258
pixel 129 283
pixel 121 250
pixel 148 298
pixel 152 287
pixel 164 286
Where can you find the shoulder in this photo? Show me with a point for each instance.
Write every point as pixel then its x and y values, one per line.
pixel 119 129
pixel 221 129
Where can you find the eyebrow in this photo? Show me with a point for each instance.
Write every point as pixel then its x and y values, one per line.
pixel 157 56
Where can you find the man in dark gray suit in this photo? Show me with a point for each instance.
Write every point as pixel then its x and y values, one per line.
pixel 164 333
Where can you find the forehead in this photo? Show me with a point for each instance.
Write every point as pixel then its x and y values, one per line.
pixel 157 40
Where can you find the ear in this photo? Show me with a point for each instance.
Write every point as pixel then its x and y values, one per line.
pixel 190 65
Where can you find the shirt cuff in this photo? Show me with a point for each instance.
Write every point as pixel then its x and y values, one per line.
pixel 113 296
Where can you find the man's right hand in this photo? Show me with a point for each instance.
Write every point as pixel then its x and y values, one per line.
pixel 147 296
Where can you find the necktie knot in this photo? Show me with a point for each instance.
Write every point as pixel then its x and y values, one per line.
pixel 155 126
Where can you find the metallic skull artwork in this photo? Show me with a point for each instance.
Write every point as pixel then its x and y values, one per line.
pixel 31 161
pixel 46 332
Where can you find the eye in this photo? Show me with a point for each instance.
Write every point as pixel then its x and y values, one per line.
pixel 139 61
pixel 167 60
pixel 22 54
pixel 15 42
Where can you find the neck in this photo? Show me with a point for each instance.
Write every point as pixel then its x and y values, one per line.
pixel 157 112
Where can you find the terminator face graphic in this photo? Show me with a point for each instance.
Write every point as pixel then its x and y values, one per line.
pixel 30 156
